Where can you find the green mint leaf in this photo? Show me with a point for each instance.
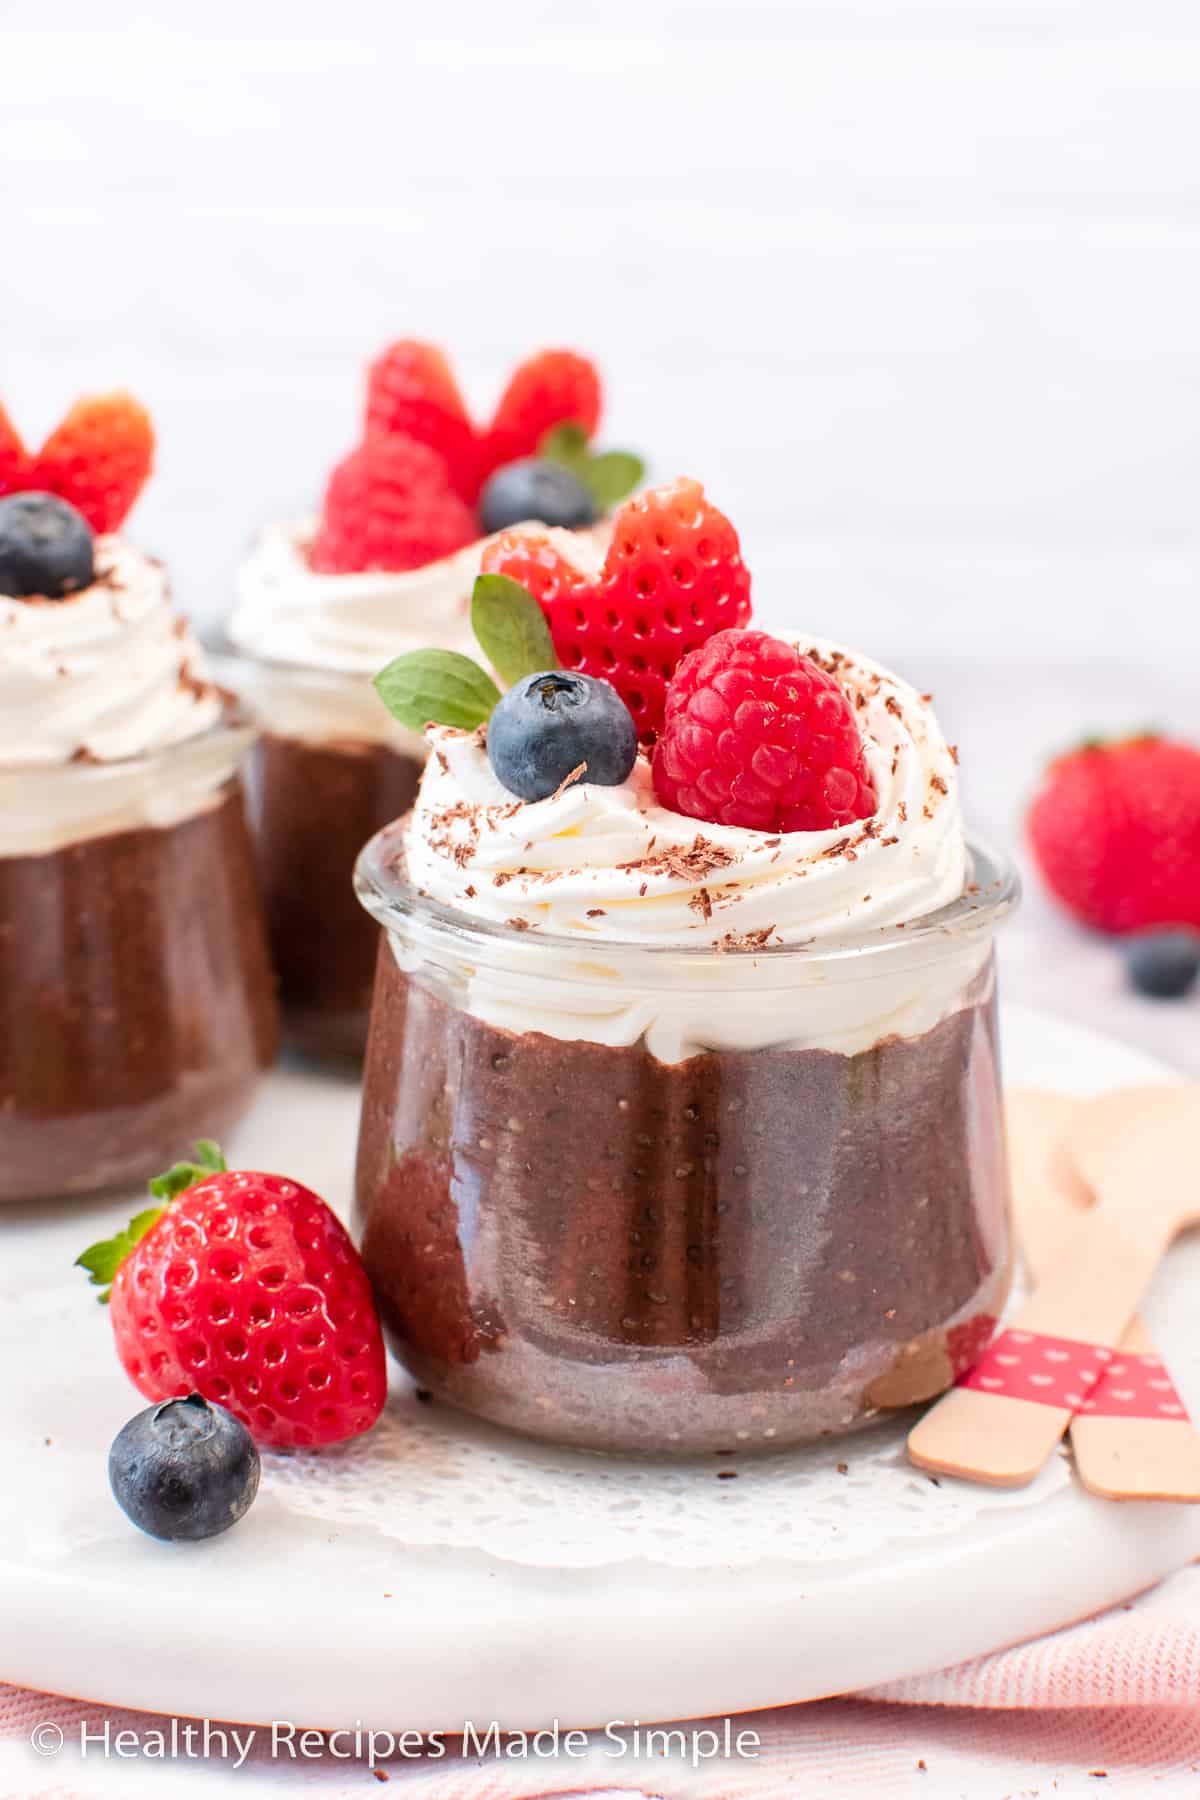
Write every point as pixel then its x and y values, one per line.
pixel 511 628
pixel 102 1260
pixel 566 444
pixel 608 475
pixel 611 475
pixel 437 687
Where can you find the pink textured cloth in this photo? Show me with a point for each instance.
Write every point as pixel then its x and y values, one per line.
pixel 1113 1701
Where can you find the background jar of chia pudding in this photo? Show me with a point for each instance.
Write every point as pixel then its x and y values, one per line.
pixel 330 767
pixel 749 1246
pixel 137 1005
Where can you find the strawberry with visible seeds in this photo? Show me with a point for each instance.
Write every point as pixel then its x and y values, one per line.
pixel 556 387
pixel 246 1288
pixel 673 575
pixel 98 459
pixel 1115 829
pixel 389 505
pixel 412 393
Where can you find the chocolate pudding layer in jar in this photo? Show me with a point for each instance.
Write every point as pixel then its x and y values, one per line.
pixel 679 1138
pixel 331 767
pixel 136 998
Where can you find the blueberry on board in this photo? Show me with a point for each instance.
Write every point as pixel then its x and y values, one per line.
pixel 45 547
pixel 535 489
pixel 1163 964
pixel 184 1469
pixel 548 724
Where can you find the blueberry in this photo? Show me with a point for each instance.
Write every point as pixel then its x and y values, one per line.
pixel 535 489
pixel 1164 964
pixel 45 547
pixel 184 1469
pixel 548 724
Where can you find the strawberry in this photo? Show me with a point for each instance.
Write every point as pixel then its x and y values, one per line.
pixel 1115 829
pixel 673 575
pixel 245 1288
pixel 556 387
pixel 532 559
pixel 411 392
pixel 14 458
pixel 389 505
pixel 98 458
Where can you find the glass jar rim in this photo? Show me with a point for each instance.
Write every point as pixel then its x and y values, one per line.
pixel 384 889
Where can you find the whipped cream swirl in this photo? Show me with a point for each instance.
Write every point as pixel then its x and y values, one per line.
pixel 336 628
pixel 107 673
pixel 609 866
pixel 92 687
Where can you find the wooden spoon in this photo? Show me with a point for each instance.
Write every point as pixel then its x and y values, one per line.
pixel 1139 1152
pixel 1119 1458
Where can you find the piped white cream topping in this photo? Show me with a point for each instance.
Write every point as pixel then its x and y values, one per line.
pixel 610 864
pixel 108 673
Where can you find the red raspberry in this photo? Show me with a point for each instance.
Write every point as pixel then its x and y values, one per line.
pixel 672 576
pixel 245 1288
pixel 757 735
pixel 412 392
pixel 14 458
pixel 1115 829
pixel 98 458
pixel 389 506
pixel 556 387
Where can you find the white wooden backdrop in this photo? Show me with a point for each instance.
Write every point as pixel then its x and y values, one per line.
pixel 914 285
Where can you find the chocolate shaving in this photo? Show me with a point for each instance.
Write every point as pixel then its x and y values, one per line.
pixel 745 940
pixel 520 924
pixel 701 857
pixel 938 785
pixel 595 912
pixel 700 902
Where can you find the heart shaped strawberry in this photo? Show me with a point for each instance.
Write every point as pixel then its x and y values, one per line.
pixel 673 575
pixel 98 459
pixel 556 387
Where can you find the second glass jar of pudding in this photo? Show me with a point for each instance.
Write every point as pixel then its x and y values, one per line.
pixel 675 1200
pixel 331 766
pixel 137 1005
pixel 329 769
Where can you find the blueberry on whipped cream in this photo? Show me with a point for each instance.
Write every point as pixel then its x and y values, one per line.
pixel 554 727
pixel 45 547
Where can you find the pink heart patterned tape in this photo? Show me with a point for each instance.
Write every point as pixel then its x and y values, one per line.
pixel 1087 1378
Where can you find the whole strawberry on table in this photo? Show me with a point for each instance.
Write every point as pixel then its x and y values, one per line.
pixel 241 1294
pixel 1115 830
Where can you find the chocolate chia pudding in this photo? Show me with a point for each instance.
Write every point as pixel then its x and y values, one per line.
pixel 677 1136
pixel 136 998
pixel 312 807
pixel 578 1240
pixel 136 1001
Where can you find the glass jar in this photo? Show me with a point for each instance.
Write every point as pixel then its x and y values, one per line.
pixel 799 1223
pixel 137 1005
pixel 328 770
